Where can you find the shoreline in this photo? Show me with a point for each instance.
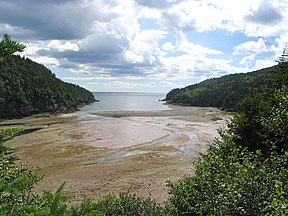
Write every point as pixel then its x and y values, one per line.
pixel 125 150
pixel 59 112
pixel 190 114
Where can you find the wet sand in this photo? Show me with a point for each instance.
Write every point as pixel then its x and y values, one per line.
pixel 125 151
pixel 118 133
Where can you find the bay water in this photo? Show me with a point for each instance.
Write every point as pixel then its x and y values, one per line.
pixel 126 101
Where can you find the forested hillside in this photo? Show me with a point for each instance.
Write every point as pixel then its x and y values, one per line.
pixel 28 88
pixel 224 92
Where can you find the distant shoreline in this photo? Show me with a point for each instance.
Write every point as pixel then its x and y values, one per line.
pixel 59 112
pixel 180 112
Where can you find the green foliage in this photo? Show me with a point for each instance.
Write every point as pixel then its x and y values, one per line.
pixel 230 180
pixel 275 124
pixel 16 183
pixel 9 131
pixel 262 124
pixel 87 208
pixel 281 72
pixel 125 204
pixel 8 47
pixel 129 205
pixel 245 172
pixel 16 196
pixel 28 88
pixel 246 127
pixel 54 203
pixel 172 94
pixel 225 92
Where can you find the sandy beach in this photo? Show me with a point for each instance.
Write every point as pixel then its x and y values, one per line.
pixel 120 151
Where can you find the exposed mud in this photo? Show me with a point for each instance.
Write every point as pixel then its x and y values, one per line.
pixel 101 155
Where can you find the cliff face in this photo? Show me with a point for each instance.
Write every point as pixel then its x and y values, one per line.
pixel 27 88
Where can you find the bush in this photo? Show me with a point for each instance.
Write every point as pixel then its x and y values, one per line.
pixel 276 123
pixel 125 204
pixel 230 180
pixel 16 183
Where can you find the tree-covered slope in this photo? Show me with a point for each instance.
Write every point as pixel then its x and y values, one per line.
pixel 224 92
pixel 27 88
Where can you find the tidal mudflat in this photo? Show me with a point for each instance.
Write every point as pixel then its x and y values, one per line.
pixel 116 151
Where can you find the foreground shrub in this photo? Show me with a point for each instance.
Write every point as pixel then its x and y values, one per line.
pixel 123 205
pixel 230 180
pixel 16 182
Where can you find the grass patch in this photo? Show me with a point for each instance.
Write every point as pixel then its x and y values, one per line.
pixel 9 131
pixel 215 118
pixel 117 115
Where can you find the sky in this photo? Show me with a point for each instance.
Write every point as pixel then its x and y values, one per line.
pixel 147 45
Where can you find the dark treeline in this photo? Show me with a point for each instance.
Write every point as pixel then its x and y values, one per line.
pixel 224 92
pixel 29 88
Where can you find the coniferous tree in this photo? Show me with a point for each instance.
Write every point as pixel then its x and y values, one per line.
pixel 29 88
pixel 8 47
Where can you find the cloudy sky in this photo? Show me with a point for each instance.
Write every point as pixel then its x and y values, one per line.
pixel 147 45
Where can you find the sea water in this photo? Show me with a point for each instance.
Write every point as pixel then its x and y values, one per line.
pixel 126 101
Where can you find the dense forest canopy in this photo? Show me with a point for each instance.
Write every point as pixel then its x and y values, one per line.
pixel 28 88
pixel 224 92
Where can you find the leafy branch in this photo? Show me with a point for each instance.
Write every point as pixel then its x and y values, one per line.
pixel 8 47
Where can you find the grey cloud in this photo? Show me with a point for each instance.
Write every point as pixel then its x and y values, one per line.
pixel 160 4
pixel 265 14
pixel 101 37
pixel 111 61
pixel 173 21
pixel 153 4
pixel 104 48
pixel 51 19
pixel 104 42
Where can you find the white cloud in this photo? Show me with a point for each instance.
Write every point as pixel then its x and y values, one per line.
pixel 46 60
pixel 62 46
pixel 248 60
pixel 189 66
pixel 132 57
pixel 171 85
pixel 194 49
pixel 250 47
pixel 265 14
pixel 259 64
pixel 282 42
pixel 122 85
pixel 133 78
pixel 160 4
pixel 88 78
pixel 144 48
pixel 168 46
